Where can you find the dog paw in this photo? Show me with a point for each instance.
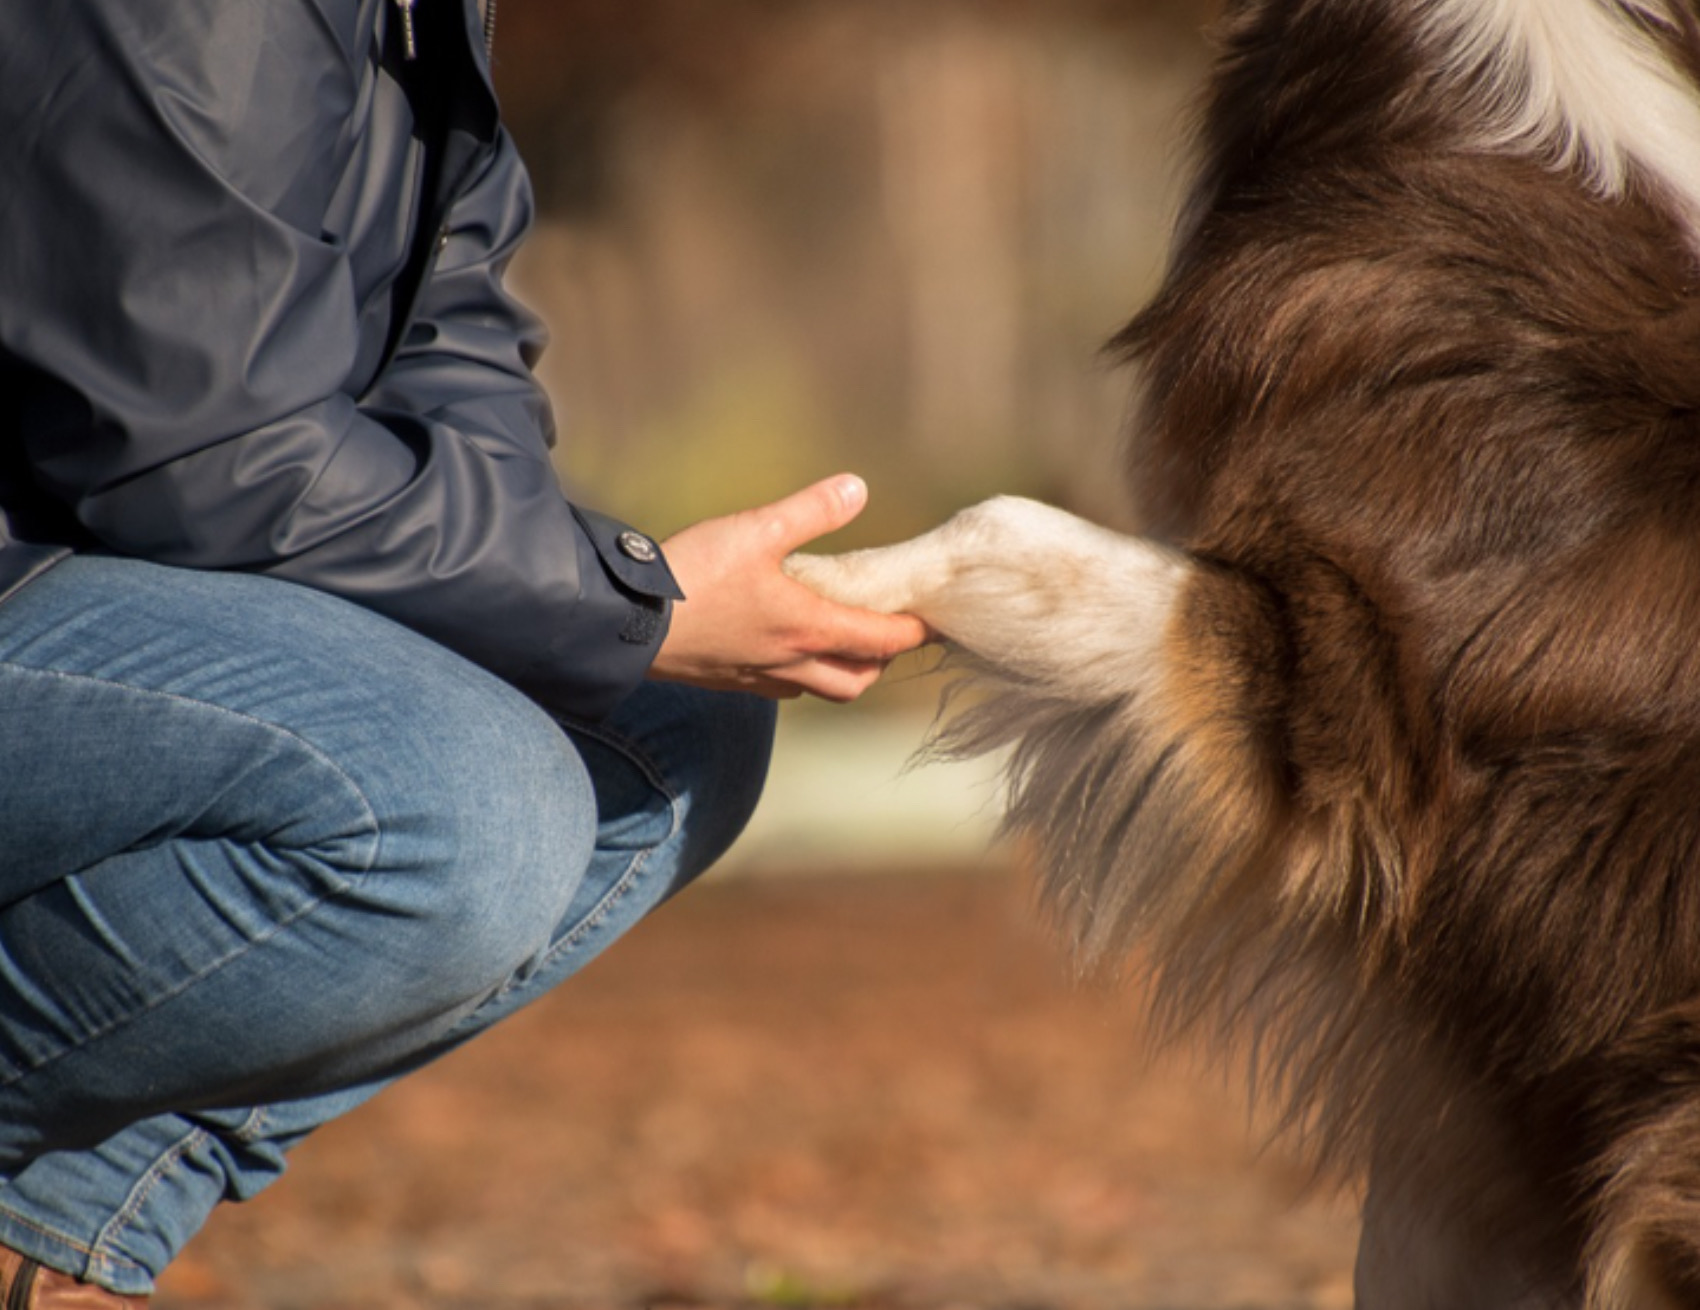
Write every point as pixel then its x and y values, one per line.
pixel 866 579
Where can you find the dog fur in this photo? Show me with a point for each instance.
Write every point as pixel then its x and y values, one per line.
pixel 1382 749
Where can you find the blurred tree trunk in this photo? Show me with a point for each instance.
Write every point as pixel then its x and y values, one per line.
pixel 786 236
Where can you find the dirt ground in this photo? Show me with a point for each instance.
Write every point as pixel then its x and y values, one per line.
pixel 873 1093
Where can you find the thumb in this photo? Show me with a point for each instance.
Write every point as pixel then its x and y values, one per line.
pixel 814 511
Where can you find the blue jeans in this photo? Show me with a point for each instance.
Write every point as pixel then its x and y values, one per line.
pixel 261 852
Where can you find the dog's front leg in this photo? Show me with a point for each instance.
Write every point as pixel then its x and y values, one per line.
pixel 1031 589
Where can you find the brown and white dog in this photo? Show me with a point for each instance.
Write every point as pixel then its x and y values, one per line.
pixel 1387 754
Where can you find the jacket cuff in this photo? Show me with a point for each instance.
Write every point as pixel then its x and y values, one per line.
pixel 630 558
pixel 625 606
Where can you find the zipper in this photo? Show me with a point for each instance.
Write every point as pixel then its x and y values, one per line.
pixel 410 45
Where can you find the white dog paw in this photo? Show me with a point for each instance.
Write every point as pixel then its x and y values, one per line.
pixel 1013 580
pixel 866 579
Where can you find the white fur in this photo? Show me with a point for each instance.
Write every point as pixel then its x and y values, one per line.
pixel 1579 83
pixel 1062 629
pixel 1030 589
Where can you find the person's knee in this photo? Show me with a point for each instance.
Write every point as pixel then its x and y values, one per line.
pixel 497 824
pixel 483 846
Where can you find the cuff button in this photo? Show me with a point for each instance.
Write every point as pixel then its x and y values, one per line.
pixel 634 545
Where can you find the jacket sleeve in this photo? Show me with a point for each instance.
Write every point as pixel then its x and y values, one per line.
pixel 195 339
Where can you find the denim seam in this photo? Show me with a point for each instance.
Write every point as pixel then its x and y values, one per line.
pixel 91 1258
pixel 656 779
pixel 339 885
pixel 179 698
pixel 253 1126
pixel 628 747
pixel 605 906
pixel 100 1253
pixel 184 985
pixel 169 1159
pixel 64 1239
pixel 615 894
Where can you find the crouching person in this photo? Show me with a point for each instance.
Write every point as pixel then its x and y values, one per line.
pixel 334 731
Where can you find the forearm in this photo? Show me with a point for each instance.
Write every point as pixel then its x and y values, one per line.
pixel 196 292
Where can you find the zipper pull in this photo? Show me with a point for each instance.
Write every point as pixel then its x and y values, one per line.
pixel 409 47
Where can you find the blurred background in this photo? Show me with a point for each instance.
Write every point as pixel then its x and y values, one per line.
pixel 781 238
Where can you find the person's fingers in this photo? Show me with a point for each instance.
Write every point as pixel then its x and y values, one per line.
pixel 753 626
pixel 829 678
pixel 864 635
pixel 813 512
pixel 838 680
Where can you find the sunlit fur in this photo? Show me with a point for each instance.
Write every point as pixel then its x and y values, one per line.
pixel 1584 84
pixel 1386 764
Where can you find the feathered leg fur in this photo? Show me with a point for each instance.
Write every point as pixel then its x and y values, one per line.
pixel 1390 775
pixel 1120 670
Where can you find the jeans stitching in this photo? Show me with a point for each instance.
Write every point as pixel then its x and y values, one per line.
pixel 656 779
pixel 628 747
pixel 368 814
pixel 90 1256
pixel 603 908
pixel 99 1253
pixel 137 1197
pixel 252 1129
pixel 53 1234
pixel 182 986
pixel 213 707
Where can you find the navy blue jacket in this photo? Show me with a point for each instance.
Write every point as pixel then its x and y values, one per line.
pixel 252 317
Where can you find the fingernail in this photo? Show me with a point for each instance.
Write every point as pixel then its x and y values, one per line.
pixel 852 491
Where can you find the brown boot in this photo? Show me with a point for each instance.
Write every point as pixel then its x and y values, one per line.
pixel 26 1285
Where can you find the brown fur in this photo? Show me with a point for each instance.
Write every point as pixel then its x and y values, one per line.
pixel 1426 805
pixel 1391 773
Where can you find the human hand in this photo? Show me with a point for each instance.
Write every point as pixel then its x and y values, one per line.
pixel 747 626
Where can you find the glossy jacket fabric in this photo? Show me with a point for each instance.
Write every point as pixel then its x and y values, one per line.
pixel 251 317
